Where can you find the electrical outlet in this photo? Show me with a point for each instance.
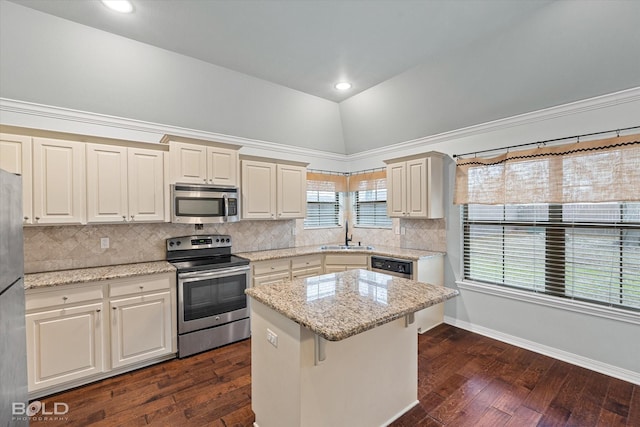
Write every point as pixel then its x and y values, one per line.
pixel 104 243
pixel 272 338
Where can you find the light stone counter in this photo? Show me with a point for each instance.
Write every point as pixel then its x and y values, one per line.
pixel 93 274
pixel 339 305
pixel 390 251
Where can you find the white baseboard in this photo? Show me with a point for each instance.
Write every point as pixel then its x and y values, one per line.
pixel 401 413
pixel 565 356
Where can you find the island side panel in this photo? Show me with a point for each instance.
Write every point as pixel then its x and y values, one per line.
pixel 366 380
pixel 275 371
pixel 369 379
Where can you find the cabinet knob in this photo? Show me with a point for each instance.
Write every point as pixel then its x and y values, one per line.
pixel 205 179
pixel 64 299
pixel 26 218
pixel 98 311
pixel 37 218
pixel 114 308
pixel 210 180
pixel 132 216
pixel 141 287
pixel 124 218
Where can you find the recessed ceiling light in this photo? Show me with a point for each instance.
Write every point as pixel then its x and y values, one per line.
pixel 343 86
pixel 122 6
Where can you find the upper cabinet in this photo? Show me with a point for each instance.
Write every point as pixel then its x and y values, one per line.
pixel 195 163
pixel 15 157
pixel 415 186
pixel 124 184
pixel 58 181
pixel 273 190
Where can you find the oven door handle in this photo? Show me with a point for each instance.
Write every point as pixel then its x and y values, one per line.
pixel 197 275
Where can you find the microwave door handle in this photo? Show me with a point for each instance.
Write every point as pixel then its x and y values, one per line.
pixel 226 207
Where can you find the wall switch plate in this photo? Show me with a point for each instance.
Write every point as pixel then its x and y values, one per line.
pixel 104 243
pixel 272 338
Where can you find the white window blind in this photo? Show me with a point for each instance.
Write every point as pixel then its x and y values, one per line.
pixel 586 251
pixel 370 198
pixel 561 221
pixel 324 198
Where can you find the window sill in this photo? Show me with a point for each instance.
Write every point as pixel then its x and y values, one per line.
pixel 554 302
pixel 322 227
pixel 380 227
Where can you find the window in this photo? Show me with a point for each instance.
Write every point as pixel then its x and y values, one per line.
pixel 558 220
pixel 581 251
pixel 369 191
pixel 324 199
pixel 370 207
pixel 323 209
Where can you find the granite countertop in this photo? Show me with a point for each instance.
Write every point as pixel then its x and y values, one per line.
pixel 339 305
pixel 390 251
pixel 93 274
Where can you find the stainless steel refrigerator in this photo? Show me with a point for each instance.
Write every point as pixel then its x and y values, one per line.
pixel 13 348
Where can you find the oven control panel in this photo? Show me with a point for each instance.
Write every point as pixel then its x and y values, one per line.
pixel 199 242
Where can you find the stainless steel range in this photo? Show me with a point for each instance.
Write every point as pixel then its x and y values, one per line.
pixel 212 306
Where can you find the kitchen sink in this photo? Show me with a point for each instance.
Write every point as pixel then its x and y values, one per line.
pixel 344 247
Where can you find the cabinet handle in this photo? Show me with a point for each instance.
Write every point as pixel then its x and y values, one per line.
pixel 98 311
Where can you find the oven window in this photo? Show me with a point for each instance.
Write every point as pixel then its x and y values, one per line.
pixel 209 297
pixel 197 206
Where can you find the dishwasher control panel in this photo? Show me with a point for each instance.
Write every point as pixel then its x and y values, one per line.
pixel 392 265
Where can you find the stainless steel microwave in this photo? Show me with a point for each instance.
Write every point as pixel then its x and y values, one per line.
pixel 204 204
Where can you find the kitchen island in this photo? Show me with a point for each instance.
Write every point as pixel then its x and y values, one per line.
pixel 337 349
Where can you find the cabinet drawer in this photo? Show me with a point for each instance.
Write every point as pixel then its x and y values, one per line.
pixel 306 261
pixel 267 267
pixel 270 279
pixel 347 259
pixel 306 272
pixel 63 296
pixel 140 284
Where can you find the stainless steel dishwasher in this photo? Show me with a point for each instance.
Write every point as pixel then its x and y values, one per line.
pixel 392 266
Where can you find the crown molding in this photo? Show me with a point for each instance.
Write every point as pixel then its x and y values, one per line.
pixel 97 124
pixel 124 128
pixel 577 107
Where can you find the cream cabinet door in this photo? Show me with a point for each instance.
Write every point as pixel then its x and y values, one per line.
pixel 58 182
pixel 107 193
pixel 140 328
pixel 145 172
pixel 222 166
pixel 64 345
pixel 15 157
pixel 396 190
pixel 258 190
pixel 189 162
pixel 292 191
pixel 416 193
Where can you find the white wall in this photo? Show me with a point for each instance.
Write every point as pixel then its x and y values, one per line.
pixel 52 61
pixel 565 52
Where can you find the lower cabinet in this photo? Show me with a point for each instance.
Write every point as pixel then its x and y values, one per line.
pixel 83 332
pixel 334 263
pixel 306 266
pixel 271 271
pixel 140 328
pixel 64 344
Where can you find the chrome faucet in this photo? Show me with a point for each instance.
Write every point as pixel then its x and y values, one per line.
pixel 347 239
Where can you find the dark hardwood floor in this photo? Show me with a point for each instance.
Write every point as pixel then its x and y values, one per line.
pixel 464 379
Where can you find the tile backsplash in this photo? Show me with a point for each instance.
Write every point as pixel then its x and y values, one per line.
pixel 66 247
